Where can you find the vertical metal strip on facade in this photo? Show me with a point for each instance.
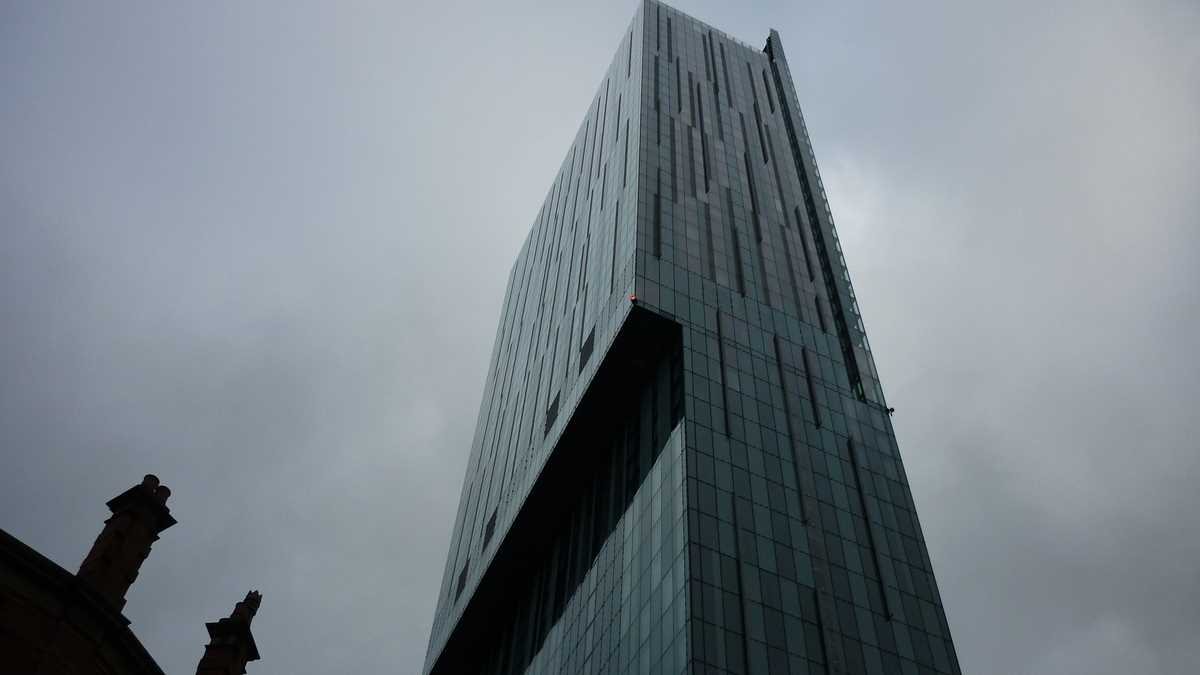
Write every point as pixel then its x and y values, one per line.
pixel 860 488
pixel 802 488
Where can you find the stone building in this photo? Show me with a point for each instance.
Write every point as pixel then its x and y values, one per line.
pixel 52 621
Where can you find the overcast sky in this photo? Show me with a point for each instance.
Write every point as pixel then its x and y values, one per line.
pixel 260 250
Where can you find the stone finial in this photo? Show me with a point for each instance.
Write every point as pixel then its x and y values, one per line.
pixel 231 645
pixel 247 608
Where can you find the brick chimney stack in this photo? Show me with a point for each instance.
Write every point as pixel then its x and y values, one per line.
pixel 139 514
pixel 231 646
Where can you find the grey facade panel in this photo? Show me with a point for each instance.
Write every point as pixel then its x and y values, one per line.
pixel 683 460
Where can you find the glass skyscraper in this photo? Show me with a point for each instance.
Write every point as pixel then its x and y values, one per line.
pixel 683 460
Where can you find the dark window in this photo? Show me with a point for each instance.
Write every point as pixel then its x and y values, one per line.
pixel 629 59
pixel 625 158
pixel 767 87
pixel 725 71
pixel 612 272
pixel 489 529
pixel 551 415
pixel 585 352
pixel 670 43
pixel 658 215
pixel 678 89
pixel 462 579
pixel 812 389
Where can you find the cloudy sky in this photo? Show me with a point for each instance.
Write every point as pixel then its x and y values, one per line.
pixel 260 250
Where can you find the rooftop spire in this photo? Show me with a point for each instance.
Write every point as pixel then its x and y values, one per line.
pixel 231 645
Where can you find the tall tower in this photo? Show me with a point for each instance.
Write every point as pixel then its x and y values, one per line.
pixel 683 460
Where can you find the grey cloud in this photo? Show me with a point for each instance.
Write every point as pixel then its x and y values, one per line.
pixel 260 251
